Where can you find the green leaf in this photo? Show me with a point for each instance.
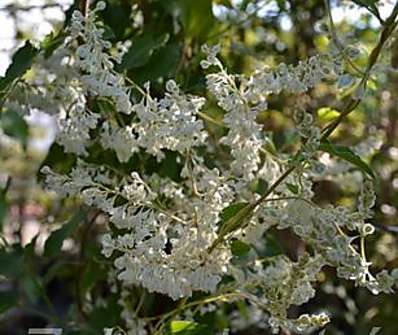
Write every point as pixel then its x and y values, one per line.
pixel 7 301
pixel 142 49
pixel 11 263
pixel 108 33
pixel 58 159
pixel 281 4
pixel 197 17
pixel 21 62
pixel 51 42
pixel 292 188
pixel 169 166
pixel 15 126
pixel 92 273
pixel 32 287
pixel 163 63
pixel 366 3
pixel 58 269
pixel 234 217
pixel 239 248
pixel 272 246
pixel 104 316
pixel 326 114
pixel 54 243
pixel 182 327
pixel 261 186
pixel 117 17
pixel 29 249
pixel 348 155
pixel 230 211
pixel 270 145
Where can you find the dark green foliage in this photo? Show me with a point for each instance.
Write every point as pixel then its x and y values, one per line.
pixel 54 242
pixel 15 126
pixel 21 62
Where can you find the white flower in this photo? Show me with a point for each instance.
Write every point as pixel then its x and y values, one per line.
pixel 169 123
pixel 74 133
pixel 108 245
pixel 96 61
pixel 121 140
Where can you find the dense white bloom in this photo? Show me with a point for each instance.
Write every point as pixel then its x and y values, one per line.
pixel 294 79
pixel 284 283
pixel 75 128
pixel 323 229
pixel 96 62
pixel 243 136
pixel 169 254
pixel 175 237
pixel 121 140
pixel 169 123
pixel 161 251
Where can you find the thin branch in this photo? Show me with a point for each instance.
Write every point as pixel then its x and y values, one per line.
pixel 84 7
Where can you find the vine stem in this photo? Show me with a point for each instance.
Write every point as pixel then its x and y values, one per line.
pixel 84 7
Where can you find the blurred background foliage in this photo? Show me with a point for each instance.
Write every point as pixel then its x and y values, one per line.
pixel 51 269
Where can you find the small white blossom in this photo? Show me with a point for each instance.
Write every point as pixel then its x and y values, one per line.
pixel 169 123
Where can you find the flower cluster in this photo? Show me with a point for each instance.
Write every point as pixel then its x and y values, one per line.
pixel 244 134
pixel 169 123
pixel 284 283
pixel 295 79
pixel 327 231
pixel 76 126
pixel 95 61
pixel 176 237
pixel 163 251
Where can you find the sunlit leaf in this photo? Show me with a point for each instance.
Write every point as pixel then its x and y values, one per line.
pixel 348 155
pixel 197 17
pixel 182 327
pixel 327 114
